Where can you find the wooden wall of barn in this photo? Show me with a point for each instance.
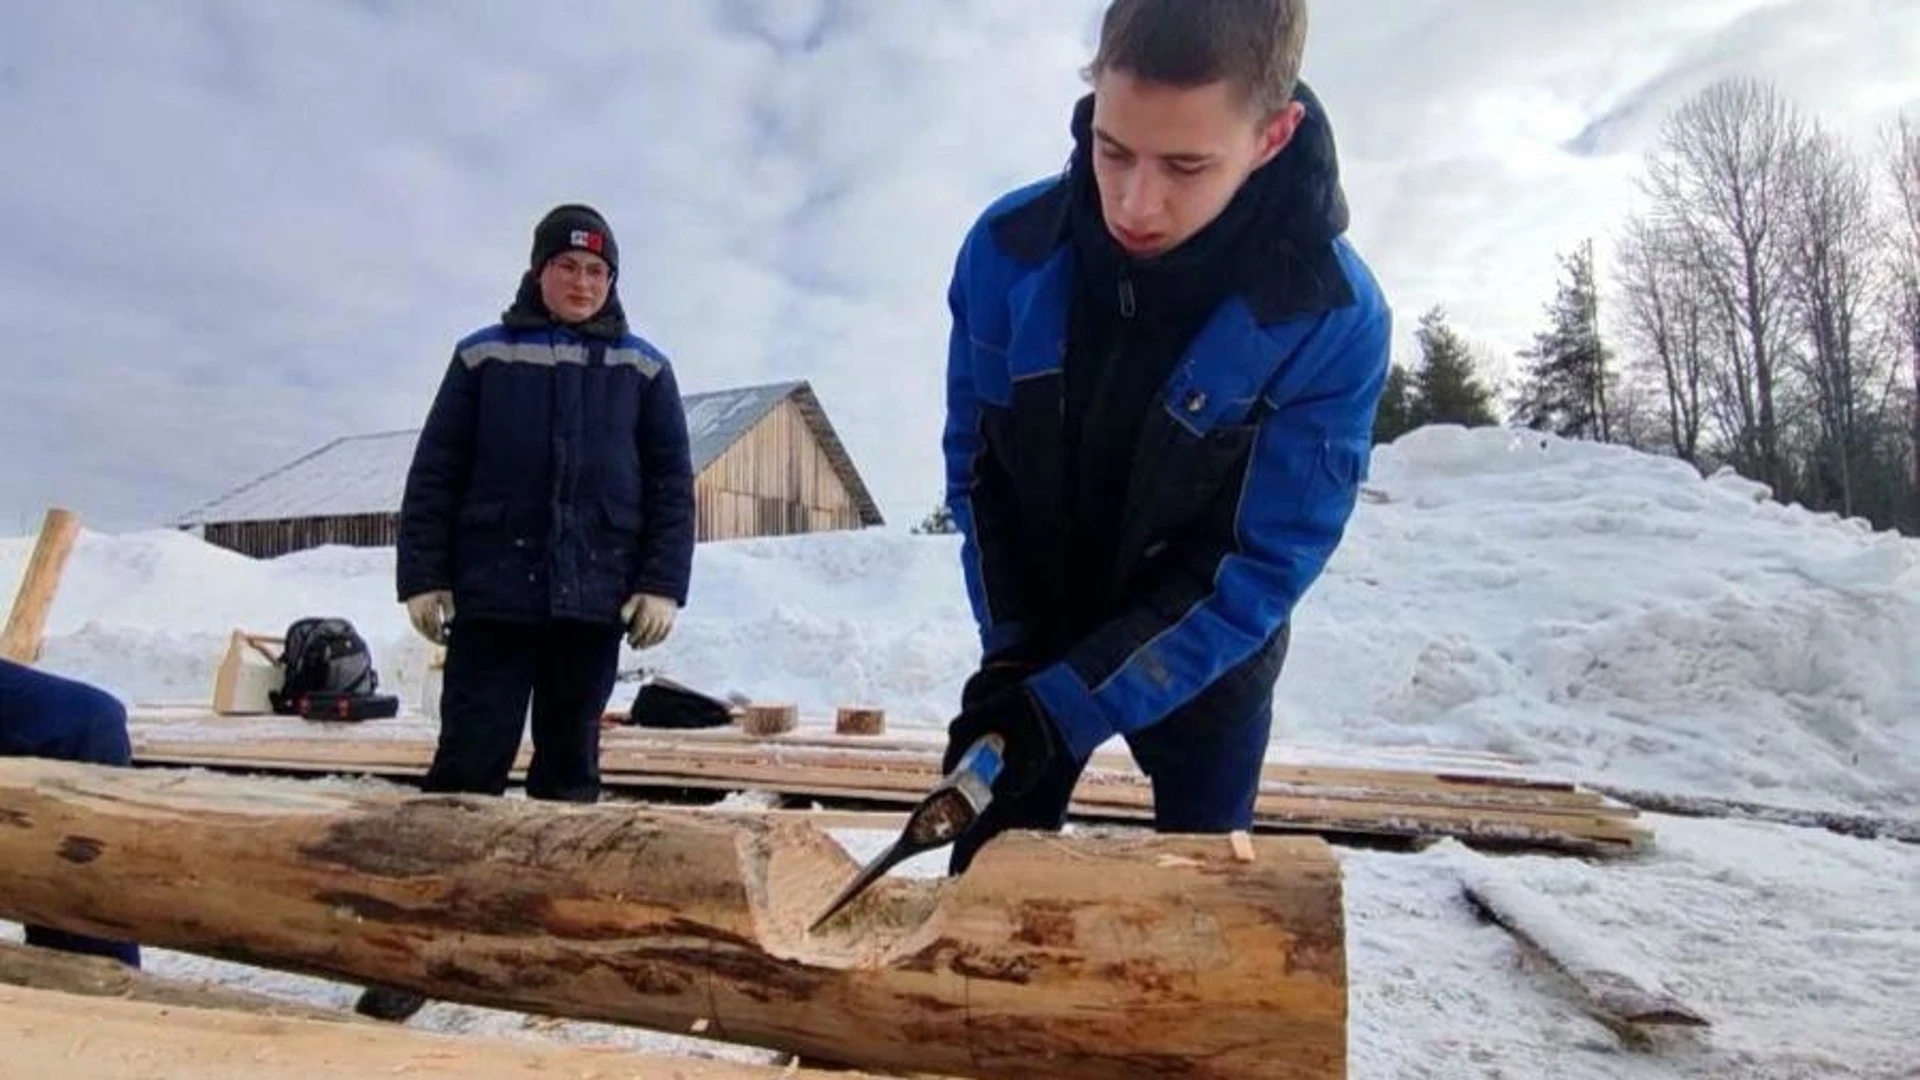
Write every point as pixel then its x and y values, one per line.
pixel 775 481
pixel 267 539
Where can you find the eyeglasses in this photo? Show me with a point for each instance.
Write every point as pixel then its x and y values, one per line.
pixel 591 269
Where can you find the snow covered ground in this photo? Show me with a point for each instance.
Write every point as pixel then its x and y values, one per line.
pixel 1601 614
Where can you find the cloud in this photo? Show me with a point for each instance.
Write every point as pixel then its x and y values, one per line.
pixel 237 231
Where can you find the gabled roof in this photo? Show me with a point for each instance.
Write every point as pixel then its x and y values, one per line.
pixel 367 474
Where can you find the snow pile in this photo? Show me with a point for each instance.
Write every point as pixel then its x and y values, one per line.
pixel 1599 612
pixel 1602 613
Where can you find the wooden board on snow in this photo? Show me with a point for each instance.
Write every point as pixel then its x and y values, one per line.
pixel 1614 992
pixel 1494 810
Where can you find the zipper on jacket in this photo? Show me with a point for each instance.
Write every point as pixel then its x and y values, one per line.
pixel 1127 307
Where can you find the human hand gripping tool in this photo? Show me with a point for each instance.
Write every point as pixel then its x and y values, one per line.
pixel 940 818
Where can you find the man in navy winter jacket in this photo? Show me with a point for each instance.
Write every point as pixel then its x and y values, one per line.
pixel 1162 379
pixel 549 506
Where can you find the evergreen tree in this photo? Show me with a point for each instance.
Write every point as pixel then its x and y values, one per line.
pixel 1446 389
pixel 1395 415
pixel 938 522
pixel 1565 389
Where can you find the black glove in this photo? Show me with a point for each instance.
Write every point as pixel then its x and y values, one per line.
pixel 1033 745
pixel 993 677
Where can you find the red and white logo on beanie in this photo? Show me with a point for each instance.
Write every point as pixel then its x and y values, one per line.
pixel 582 238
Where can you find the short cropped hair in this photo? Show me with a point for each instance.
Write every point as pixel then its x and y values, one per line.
pixel 1255 45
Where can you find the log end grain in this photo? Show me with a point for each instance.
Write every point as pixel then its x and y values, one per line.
pixel 859 720
pixel 763 720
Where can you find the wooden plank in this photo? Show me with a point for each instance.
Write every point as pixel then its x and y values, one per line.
pixel 1150 954
pixel 1617 995
pixel 51 1034
pixel 27 619
pixel 817 733
pixel 1862 826
pixel 96 976
pixel 883 771
pixel 1487 814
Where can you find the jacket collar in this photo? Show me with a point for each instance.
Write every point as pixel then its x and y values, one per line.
pixel 529 312
pixel 1288 270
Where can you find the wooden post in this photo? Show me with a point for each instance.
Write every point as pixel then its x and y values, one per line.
pixel 855 720
pixel 764 720
pixel 27 622
pixel 1084 957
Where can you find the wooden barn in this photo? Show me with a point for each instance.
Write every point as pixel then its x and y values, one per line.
pixel 766 462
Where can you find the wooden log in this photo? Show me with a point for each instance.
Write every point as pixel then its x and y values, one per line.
pixel 27 620
pixel 860 721
pixel 96 976
pixel 1087 957
pixel 51 1034
pixel 1613 991
pixel 763 720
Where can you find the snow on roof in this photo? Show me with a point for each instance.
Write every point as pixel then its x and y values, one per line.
pixel 367 474
pixel 716 420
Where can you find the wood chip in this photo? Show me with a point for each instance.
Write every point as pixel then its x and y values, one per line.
pixel 1242 845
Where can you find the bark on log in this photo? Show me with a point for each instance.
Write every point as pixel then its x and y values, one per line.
pixel 27 619
pixel 52 1034
pixel 1091 956
pixel 95 976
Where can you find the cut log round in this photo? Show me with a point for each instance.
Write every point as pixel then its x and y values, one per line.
pixel 761 720
pixel 853 720
pixel 47 1033
pixel 1090 957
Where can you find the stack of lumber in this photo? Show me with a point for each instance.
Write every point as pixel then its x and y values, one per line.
pixel 1480 805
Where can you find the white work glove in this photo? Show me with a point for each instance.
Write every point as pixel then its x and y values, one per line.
pixel 430 612
pixel 649 619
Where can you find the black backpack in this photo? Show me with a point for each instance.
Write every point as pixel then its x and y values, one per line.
pixel 327 674
pixel 665 704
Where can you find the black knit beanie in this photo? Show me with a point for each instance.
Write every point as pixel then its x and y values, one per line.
pixel 574 227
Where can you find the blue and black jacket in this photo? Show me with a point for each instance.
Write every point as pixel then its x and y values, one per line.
pixel 553 476
pixel 1238 481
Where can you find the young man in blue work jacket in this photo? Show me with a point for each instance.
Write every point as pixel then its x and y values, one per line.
pixel 1162 379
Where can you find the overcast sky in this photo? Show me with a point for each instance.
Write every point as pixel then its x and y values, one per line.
pixel 233 231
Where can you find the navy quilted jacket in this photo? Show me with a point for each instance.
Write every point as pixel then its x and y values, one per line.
pixel 552 478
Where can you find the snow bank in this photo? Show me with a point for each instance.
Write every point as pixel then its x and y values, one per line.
pixel 1600 612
